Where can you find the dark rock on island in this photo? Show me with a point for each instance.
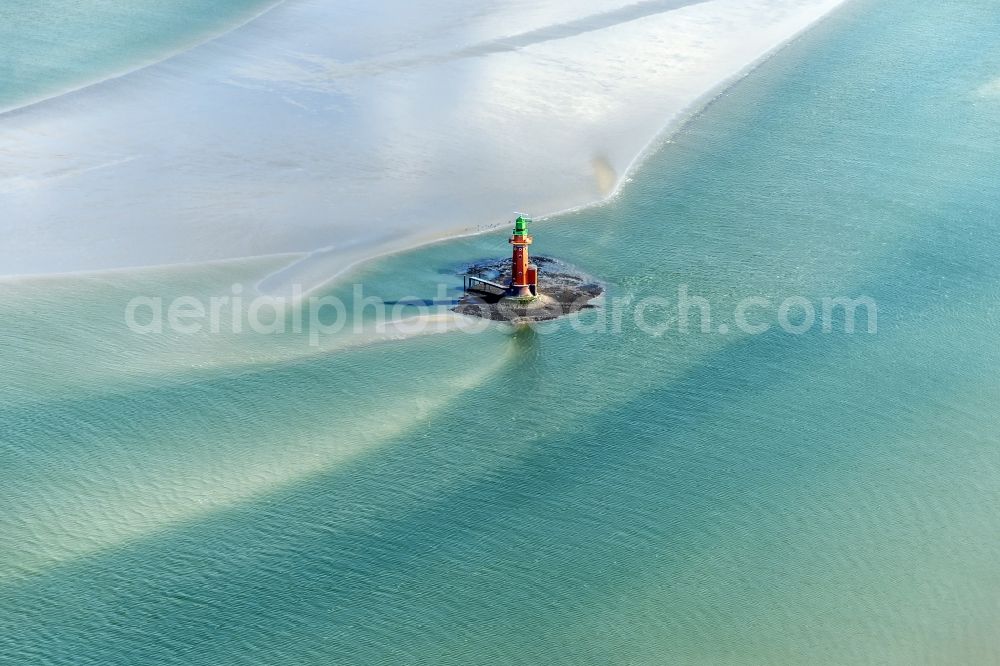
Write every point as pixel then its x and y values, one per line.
pixel 562 290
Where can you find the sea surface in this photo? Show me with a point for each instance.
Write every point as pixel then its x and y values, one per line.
pixel 563 494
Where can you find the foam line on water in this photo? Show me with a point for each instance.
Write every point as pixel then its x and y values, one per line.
pixel 97 508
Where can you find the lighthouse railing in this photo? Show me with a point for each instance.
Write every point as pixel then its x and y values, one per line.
pixel 473 283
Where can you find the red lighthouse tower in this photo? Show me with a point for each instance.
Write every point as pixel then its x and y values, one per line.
pixel 524 281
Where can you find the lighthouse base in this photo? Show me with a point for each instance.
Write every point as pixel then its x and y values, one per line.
pixel 522 292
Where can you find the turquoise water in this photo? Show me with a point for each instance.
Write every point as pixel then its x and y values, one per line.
pixel 51 45
pixel 549 496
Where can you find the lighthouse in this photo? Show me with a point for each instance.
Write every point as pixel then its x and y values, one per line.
pixel 515 296
pixel 524 275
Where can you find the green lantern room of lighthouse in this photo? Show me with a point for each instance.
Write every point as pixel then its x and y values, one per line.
pixel 521 226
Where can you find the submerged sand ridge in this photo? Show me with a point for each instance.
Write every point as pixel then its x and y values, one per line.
pixel 562 290
pixel 278 137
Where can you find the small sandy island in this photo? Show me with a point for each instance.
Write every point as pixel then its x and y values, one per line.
pixel 562 289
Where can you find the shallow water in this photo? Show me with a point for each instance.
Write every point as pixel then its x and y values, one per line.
pixel 550 496
pixel 288 131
